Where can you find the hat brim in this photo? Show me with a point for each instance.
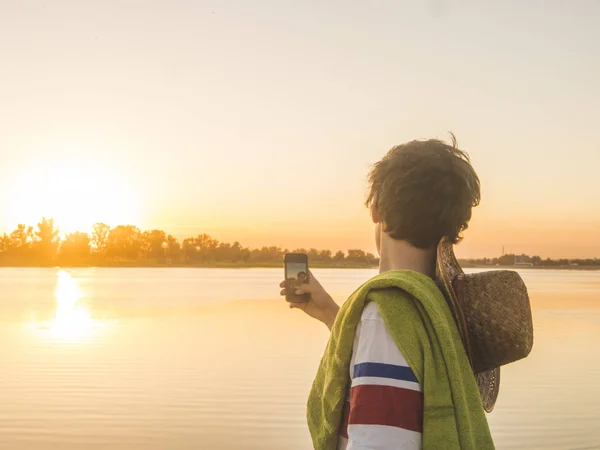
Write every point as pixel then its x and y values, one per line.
pixel 447 269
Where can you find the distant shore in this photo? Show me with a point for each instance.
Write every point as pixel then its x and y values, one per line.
pixel 270 265
pixel 212 265
pixel 490 267
pixel 126 246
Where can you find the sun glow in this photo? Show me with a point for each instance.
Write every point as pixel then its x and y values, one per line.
pixel 76 194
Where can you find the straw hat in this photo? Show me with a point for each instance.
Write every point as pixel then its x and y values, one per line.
pixel 493 315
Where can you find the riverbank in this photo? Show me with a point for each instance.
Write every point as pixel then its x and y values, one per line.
pixel 488 267
pixel 266 265
pixel 211 265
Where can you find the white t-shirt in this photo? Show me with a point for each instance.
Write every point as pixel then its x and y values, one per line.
pixel 384 408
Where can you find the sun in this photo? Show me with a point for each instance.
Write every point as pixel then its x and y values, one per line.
pixel 76 193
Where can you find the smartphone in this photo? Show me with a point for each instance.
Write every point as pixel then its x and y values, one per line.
pixel 296 273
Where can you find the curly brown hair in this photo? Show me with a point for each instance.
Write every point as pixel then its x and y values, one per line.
pixel 423 191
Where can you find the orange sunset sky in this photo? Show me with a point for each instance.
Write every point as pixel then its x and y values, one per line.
pixel 257 121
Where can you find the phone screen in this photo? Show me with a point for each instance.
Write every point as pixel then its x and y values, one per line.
pixel 296 273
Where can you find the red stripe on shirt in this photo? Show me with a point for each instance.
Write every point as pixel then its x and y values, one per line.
pixel 386 405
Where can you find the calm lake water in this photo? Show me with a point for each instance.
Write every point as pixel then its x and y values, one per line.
pixel 214 359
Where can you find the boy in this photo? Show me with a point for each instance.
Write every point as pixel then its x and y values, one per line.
pixel 420 192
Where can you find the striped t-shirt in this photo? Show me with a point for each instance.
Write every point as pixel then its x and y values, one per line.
pixel 384 408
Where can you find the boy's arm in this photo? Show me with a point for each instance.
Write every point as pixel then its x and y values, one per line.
pixel 385 406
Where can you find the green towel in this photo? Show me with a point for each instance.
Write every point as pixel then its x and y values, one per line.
pixel 419 319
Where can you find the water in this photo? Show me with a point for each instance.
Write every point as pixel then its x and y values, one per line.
pixel 214 359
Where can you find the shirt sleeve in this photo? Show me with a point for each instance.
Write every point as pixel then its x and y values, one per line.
pixel 385 406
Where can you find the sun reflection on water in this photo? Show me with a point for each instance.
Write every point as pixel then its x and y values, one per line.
pixel 72 320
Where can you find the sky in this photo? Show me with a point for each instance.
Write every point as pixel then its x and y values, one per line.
pixel 258 121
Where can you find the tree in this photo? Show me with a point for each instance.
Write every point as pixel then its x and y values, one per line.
pixel 236 252
pixel 357 255
pixel 75 248
pixel 188 249
pixel 5 243
pixel 339 256
pixel 154 244
pixel 22 237
pixel 275 254
pixel 371 259
pixel 100 238
pixel 507 260
pixel 267 254
pixel 205 248
pixel 124 242
pixel 223 252
pixel 314 255
pixel 20 242
pixel 246 254
pixel 173 249
pixel 325 256
pixel 46 244
pixel 5 247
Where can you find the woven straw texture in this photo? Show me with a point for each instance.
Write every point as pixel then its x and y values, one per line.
pixel 493 316
pixel 498 317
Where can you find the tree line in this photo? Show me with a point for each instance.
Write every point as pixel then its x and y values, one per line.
pixel 532 261
pixel 127 245
pixel 44 245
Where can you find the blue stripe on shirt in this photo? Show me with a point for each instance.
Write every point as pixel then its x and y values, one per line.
pixel 380 370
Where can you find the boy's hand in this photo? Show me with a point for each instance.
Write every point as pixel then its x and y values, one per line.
pixel 320 305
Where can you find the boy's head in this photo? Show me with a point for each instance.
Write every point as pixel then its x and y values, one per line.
pixel 301 277
pixel 422 191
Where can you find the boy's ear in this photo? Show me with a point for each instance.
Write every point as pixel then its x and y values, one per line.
pixel 374 214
